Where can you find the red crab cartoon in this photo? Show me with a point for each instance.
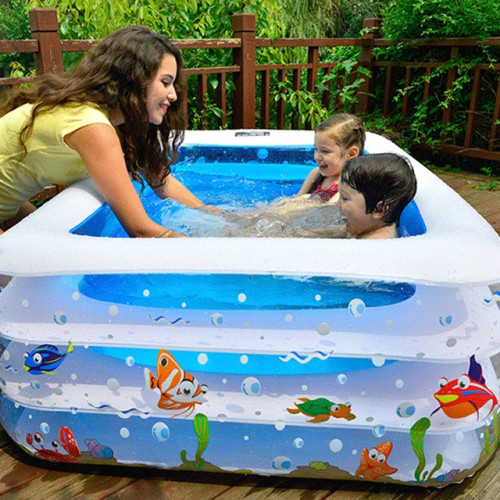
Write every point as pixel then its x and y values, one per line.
pixel 68 443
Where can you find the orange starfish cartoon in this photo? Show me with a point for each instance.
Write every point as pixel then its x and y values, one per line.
pixel 374 464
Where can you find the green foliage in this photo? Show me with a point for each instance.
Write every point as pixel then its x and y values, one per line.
pixel 403 19
pixel 312 18
pixel 209 114
pixel 182 19
pixel 14 25
pixel 440 19
pixel 355 11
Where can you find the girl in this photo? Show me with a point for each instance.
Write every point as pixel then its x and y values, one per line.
pixel 336 140
pixel 118 115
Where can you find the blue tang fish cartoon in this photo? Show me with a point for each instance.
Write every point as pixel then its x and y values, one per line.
pixel 45 359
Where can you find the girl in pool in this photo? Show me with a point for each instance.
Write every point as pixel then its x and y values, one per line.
pixel 336 140
pixel 117 116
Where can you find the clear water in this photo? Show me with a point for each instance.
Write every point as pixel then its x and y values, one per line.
pixel 224 292
pixel 254 199
pixel 238 180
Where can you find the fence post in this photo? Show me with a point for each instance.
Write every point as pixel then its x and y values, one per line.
pixel 365 101
pixel 45 29
pixel 244 80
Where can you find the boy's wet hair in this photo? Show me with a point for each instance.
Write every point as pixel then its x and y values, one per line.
pixel 384 178
pixel 345 129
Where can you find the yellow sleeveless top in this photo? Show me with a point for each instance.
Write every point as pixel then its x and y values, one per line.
pixel 49 159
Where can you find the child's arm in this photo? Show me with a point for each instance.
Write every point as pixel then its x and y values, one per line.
pixel 306 186
pixel 323 232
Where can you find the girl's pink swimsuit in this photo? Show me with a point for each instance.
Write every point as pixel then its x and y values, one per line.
pixel 328 193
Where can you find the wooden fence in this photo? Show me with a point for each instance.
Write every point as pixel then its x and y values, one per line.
pixel 249 94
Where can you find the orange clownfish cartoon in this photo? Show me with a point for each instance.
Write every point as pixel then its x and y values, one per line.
pixel 179 390
pixel 466 394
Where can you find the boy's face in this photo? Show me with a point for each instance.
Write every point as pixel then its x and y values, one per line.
pixel 352 206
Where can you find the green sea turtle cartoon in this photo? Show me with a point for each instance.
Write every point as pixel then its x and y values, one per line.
pixel 321 409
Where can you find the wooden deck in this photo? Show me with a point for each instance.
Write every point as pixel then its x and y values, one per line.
pixel 24 477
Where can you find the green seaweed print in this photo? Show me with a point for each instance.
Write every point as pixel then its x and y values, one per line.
pixel 202 431
pixel 417 434
pixel 489 447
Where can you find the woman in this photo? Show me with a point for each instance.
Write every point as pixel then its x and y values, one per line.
pixel 117 116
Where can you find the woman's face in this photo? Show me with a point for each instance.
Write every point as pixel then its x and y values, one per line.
pixel 161 91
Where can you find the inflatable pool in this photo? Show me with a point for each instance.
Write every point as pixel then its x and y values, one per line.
pixel 338 359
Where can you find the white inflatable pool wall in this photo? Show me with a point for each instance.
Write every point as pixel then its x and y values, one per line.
pixel 335 391
pixel 459 247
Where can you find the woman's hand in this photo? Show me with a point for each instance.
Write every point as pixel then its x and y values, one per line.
pixel 211 209
pixel 169 233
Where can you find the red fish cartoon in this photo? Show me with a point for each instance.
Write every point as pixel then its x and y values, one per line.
pixel 179 390
pixel 373 463
pixel 466 394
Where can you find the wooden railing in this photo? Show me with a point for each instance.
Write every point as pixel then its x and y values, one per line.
pixel 245 92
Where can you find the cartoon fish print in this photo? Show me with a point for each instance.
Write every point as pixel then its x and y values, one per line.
pixel 45 359
pixel 466 394
pixel 179 390
pixel 373 463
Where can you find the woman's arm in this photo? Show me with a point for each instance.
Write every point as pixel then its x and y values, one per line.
pixel 174 189
pixel 100 149
pixel 306 186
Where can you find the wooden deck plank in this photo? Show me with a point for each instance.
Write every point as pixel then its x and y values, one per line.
pixel 278 487
pixel 174 486
pixel 14 473
pixel 485 201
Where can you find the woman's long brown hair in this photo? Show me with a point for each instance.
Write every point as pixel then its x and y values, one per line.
pixel 114 76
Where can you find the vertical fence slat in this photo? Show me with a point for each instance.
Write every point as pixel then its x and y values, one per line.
pixel 265 98
pixel 296 87
pixel 222 99
pixel 387 91
pixel 404 111
pixel 202 99
pixel 312 73
pixel 325 96
pixel 469 129
pixel 427 85
pixel 280 112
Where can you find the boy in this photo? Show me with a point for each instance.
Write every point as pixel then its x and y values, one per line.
pixel 374 190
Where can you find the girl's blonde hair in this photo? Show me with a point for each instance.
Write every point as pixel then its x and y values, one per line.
pixel 345 129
